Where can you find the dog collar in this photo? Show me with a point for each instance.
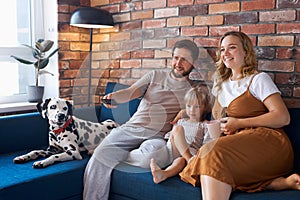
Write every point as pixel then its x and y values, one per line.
pixel 58 131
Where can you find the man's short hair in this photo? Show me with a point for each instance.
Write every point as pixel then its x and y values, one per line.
pixel 189 45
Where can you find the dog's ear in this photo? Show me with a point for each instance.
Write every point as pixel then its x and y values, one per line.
pixel 42 107
pixel 70 108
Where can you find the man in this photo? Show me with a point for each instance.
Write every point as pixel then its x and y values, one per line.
pixel 162 93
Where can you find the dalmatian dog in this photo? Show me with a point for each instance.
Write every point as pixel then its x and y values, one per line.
pixel 68 135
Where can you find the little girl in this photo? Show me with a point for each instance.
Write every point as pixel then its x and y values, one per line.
pixel 187 135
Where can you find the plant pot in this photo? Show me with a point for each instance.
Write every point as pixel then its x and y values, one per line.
pixel 35 93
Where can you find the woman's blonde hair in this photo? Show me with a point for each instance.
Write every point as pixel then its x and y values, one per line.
pixel 200 95
pixel 222 72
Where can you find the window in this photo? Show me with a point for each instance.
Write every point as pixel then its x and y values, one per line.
pixel 25 26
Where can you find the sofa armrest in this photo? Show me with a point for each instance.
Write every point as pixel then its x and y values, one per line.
pixel 22 132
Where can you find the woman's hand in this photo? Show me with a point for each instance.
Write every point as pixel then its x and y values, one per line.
pixel 229 125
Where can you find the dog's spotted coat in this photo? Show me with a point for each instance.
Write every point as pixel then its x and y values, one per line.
pixel 68 135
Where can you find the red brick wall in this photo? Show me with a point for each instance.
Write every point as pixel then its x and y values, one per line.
pixel 145 31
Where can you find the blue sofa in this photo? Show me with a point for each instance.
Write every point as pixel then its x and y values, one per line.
pixel 24 132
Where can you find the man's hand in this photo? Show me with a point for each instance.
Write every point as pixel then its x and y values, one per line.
pixel 109 102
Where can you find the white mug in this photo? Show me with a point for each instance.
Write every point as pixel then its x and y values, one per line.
pixel 214 128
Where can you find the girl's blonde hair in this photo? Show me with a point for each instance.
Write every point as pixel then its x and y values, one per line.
pixel 200 95
pixel 222 72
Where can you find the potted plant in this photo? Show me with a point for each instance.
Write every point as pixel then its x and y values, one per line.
pixel 35 93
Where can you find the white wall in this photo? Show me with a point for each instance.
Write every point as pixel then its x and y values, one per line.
pixel 51 33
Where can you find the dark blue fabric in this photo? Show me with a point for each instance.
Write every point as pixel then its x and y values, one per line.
pixel 27 132
pixel 267 195
pixel 21 181
pixel 137 183
pixel 64 180
pixel 293 131
pixel 124 111
pixel 129 182
pixel 24 131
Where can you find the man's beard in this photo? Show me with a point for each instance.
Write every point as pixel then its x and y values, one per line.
pixel 184 74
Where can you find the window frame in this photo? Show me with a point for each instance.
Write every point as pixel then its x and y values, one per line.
pixel 36 10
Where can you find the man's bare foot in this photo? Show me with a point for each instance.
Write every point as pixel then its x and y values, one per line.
pixel 290 183
pixel 157 172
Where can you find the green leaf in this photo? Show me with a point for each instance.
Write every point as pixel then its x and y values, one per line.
pixel 40 40
pixel 38 52
pixel 53 52
pixel 41 72
pixel 21 60
pixel 30 47
pixel 35 52
pixel 46 45
pixel 43 63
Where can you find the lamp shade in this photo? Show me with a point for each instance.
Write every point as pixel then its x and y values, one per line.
pixel 89 17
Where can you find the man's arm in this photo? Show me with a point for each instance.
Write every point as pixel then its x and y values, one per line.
pixel 136 90
pixel 124 95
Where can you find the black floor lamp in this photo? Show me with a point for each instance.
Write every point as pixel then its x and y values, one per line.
pixel 89 17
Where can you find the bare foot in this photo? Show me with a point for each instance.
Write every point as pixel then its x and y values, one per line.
pixel 290 183
pixel 157 172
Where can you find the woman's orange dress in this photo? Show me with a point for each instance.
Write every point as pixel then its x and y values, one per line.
pixel 248 160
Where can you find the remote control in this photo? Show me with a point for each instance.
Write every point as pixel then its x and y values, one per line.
pixel 109 102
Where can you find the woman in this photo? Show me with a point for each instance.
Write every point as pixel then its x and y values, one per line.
pixel 255 152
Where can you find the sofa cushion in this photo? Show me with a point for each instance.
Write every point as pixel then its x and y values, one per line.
pixel 137 183
pixel 54 182
pixel 31 134
pixel 123 111
pixel 293 131
pixel 129 182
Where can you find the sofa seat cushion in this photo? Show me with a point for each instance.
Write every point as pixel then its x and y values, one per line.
pixel 129 182
pixel 58 180
pixel 137 183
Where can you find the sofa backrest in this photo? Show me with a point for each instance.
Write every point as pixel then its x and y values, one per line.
pixel 123 111
pixel 23 132
pixel 293 131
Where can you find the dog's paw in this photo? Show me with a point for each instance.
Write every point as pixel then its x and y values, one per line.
pixel 19 160
pixel 39 164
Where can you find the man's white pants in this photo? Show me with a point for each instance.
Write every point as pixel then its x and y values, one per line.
pixel 132 145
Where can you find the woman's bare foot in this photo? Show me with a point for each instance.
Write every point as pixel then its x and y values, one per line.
pixel 290 183
pixel 157 172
